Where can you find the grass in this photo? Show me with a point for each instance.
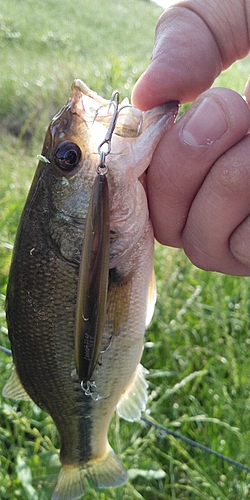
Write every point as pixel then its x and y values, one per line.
pixel 198 345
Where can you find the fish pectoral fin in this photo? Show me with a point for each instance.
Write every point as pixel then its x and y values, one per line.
pixel 13 388
pixel 107 472
pixel 134 400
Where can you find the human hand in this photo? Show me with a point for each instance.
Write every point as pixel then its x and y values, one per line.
pixel 199 178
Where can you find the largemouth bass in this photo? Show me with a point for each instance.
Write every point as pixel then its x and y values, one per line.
pixel 43 281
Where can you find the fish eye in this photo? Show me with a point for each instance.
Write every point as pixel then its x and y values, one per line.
pixel 67 156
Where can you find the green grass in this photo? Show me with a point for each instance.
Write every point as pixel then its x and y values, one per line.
pixel 198 345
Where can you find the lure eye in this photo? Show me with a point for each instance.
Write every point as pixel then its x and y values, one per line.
pixel 67 156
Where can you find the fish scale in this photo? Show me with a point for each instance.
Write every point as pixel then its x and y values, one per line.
pixel 55 353
pixel 42 290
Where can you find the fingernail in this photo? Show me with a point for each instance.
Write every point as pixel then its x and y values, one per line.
pixel 206 125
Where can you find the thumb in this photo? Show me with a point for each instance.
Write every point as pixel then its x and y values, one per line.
pixel 180 67
pixel 190 51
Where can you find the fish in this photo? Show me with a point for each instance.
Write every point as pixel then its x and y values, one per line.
pixel 42 292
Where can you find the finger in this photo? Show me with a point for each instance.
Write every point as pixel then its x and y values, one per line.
pixel 180 68
pixel 193 45
pixel 217 120
pixel 217 212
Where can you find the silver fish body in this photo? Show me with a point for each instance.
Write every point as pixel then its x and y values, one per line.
pixel 42 289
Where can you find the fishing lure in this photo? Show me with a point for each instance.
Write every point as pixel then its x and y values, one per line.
pixel 94 269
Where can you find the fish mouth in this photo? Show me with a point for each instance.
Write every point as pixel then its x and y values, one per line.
pixel 155 114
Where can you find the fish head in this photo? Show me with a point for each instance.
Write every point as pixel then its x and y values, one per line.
pixel 71 150
pixel 65 177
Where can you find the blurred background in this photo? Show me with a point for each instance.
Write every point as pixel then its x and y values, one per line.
pixel 197 347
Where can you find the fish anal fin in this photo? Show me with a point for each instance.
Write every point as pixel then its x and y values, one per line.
pixel 134 400
pixel 107 472
pixel 13 388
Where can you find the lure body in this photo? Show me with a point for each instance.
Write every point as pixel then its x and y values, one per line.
pixel 45 279
pixel 93 281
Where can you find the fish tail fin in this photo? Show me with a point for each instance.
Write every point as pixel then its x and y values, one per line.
pixel 105 472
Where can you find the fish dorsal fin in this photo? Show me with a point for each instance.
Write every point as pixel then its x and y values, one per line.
pixel 134 400
pixel 151 297
pixel 13 388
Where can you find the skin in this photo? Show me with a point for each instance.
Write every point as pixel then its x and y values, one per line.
pixel 199 178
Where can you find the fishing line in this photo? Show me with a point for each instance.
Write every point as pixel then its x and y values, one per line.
pixel 201 447
pixel 6 351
